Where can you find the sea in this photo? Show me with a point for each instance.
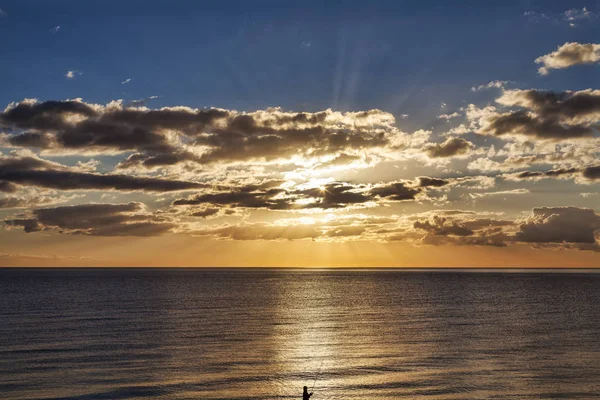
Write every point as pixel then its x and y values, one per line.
pixel 266 333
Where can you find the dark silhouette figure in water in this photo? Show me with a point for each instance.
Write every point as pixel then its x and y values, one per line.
pixel 306 395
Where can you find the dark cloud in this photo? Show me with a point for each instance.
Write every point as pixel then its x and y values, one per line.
pixel 559 224
pixel 334 195
pixel 166 136
pixel 100 135
pixel 554 173
pixel 243 139
pixel 28 224
pixel 46 125
pixel 438 225
pixel 96 220
pixel 12 202
pixel 8 187
pixel 183 119
pixel 205 213
pixel 396 191
pixel 158 160
pixel 248 196
pixel 48 115
pixel 492 237
pixel 546 114
pixel 450 148
pixel 592 173
pixel 32 171
pixel 32 139
pixel 485 223
pixel 457 227
pixel 561 106
pixel 329 196
pixel 526 124
pixel 425 181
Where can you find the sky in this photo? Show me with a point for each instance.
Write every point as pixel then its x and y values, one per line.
pixel 300 134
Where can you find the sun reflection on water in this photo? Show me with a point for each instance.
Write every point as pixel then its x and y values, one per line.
pixel 308 332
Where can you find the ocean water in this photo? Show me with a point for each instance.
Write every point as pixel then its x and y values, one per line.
pixel 263 334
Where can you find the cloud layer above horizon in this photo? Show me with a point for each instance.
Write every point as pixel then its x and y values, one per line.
pixel 273 174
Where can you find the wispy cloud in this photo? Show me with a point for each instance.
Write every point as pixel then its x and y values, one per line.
pixel 72 74
pixel 3 13
pixel 55 29
pixel 570 17
pixel 126 81
pixel 449 116
pixel 490 85
pixel 140 102
pixel 574 15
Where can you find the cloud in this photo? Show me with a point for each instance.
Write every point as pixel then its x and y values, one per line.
pixel 32 171
pixel 2 13
pixel 272 135
pixel 450 148
pixel 73 73
pixel 238 167
pixel 458 228
pixel 544 115
pixel 265 195
pixel 55 30
pixel 8 187
pixel 202 136
pixel 537 17
pixel 334 195
pixel 493 84
pixel 13 202
pixel 140 102
pixel 448 116
pixel 499 193
pixel 27 200
pixel 48 115
pixel 206 212
pixel 589 173
pixel 526 124
pixel 559 224
pixel 39 256
pixel 130 219
pixel 547 226
pixel 536 175
pixel 568 55
pixel 354 227
pixel 574 15
pixel 570 17
pixel 126 81
pixel 438 225
pixel 425 181
pixel 394 191
pixel 592 173
pixel 486 164
pixel 262 231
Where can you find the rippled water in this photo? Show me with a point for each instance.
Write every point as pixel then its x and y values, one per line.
pixel 263 334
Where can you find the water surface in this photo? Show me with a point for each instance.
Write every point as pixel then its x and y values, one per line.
pixel 263 334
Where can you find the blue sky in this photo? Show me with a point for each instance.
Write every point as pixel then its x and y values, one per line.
pixel 402 57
